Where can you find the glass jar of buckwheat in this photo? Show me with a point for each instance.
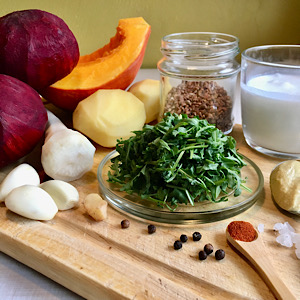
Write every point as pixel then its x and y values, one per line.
pixel 198 76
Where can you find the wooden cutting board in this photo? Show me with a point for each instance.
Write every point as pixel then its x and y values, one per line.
pixel 99 260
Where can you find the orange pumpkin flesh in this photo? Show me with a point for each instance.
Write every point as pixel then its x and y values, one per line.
pixel 112 67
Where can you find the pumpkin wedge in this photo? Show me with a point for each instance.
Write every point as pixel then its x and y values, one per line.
pixel 112 67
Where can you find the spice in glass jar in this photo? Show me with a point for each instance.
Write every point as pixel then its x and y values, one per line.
pixel 198 76
pixel 205 99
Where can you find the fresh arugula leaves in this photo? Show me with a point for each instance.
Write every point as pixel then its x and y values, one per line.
pixel 178 160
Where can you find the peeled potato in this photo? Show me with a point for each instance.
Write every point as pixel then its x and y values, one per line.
pixel 108 115
pixel 148 91
pixel 285 185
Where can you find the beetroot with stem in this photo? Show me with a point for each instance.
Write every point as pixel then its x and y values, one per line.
pixel 36 47
pixel 23 119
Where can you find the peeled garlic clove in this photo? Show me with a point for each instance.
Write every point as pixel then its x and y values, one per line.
pixel 21 175
pixel 95 206
pixel 31 202
pixel 64 194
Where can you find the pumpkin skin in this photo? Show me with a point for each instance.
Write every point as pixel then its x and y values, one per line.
pixel 112 67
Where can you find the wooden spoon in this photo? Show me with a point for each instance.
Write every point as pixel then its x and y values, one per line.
pixel 255 252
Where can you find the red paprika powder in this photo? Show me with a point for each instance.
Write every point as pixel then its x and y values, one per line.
pixel 242 231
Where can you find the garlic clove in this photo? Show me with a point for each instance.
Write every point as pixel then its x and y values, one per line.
pixel 31 202
pixel 21 175
pixel 64 194
pixel 95 206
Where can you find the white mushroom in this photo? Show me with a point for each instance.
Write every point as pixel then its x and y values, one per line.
pixel 66 154
pixel 31 202
pixel 64 194
pixel 21 175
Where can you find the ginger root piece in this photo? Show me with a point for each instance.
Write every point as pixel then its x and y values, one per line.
pixel 95 206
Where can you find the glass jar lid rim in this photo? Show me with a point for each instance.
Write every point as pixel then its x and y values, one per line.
pixel 245 55
pixel 199 39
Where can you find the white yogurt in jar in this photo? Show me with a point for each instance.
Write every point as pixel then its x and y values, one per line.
pixel 271 112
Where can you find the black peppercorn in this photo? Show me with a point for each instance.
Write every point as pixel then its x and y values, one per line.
pixel 202 255
pixel 208 248
pixel 151 229
pixel 177 245
pixel 220 254
pixel 183 238
pixel 125 223
pixel 197 236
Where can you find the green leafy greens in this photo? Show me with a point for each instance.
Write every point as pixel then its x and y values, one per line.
pixel 178 160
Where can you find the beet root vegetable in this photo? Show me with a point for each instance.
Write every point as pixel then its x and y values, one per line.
pixel 23 119
pixel 66 154
pixel 36 47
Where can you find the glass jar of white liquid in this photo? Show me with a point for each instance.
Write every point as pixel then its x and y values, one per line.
pixel 270 99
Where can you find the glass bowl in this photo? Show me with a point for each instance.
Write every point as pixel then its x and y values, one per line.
pixel 201 212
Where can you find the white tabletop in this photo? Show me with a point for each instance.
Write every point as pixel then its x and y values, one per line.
pixel 18 281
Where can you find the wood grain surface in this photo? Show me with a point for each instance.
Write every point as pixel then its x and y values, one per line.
pixel 99 260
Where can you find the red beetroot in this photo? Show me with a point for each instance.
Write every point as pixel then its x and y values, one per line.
pixel 23 119
pixel 36 47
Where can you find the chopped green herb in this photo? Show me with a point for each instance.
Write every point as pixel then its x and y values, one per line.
pixel 179 160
